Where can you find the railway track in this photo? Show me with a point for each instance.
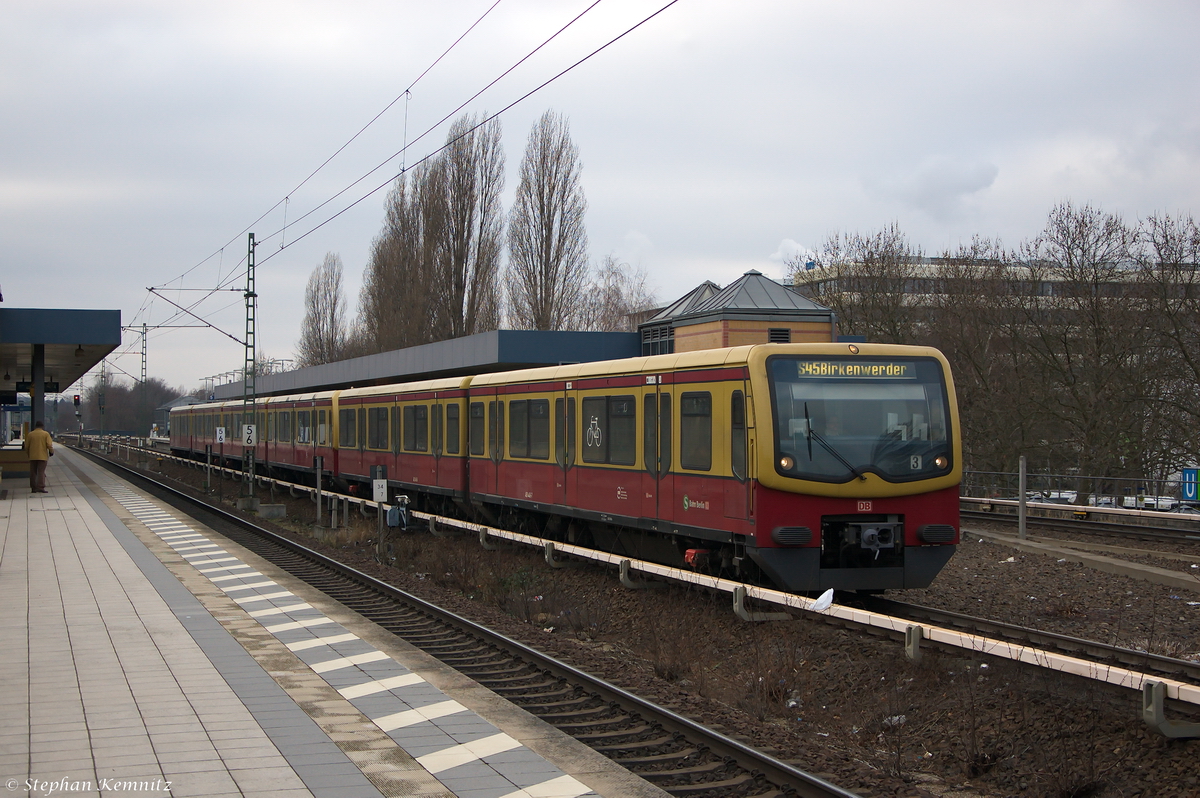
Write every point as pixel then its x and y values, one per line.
pixel 1090 526
pixel 669 750
pixel 1101 653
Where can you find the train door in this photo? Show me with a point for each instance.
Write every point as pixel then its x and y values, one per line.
pixel 482 441
pixel 495 409
pixel 564 448
pixel 658 483
pixel 737 490
pixel 438 439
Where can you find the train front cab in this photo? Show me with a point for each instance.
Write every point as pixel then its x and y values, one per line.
pixel 858 462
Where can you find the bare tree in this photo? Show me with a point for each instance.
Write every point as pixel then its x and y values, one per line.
pixel 323 333
pixel 465 295
pixel 866 279
pixel 1169 272
pixel 547 241
pixel 616 296
pixel 1078 334
pixel 395 309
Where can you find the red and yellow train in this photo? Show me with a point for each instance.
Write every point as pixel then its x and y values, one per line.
pixel 816 465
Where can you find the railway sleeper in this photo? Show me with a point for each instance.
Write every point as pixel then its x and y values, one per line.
pixel 466 650
pixel 430 637
pixel 514 691
pixel 608 735
pixel 602 726
pixel 552 705
pixel 483 667
pixel 636 745
pixel 710 769
pixel 563 691
pixel 434 639
pixel 488 680
pixel 591 713
pixel 466 647
pixel 657 759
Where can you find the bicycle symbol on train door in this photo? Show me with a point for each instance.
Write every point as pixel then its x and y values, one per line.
pixel 594 434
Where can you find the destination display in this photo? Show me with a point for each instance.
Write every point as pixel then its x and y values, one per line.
pixel 856 369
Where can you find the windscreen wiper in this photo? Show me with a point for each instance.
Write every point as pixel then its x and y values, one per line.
pixel 828 447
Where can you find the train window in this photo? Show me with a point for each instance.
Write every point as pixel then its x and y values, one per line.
pixel 410 428
pixel 610 430
pixel 595 432
pixel 452 428
pixel 539 429
pixel 737 433
pixel 322 429
pixel 395 430
pixel 377 428
pixel 303 427
pixel 284 425
pixel 695 430
pixel 650 434
pixel 347 425
pixel 475 431
pixel 664 433
pixel 622 424
pixel 416 428
pixel 436 424
pixel 271 426
pixel 518 424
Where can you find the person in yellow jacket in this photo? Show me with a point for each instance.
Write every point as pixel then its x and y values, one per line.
pixel 40 448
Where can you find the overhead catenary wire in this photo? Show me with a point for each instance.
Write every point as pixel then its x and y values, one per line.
pixel 450 142
pixel 348 142
pixel 222 284
pixel 461 106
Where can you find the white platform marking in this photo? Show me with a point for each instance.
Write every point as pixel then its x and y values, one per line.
pixel 346 662
pixel 380 686
pixel 454 756
pixel 317 642
pixel 409 717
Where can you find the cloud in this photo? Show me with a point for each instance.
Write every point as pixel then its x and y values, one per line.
pixel 940 186
pixel 788 250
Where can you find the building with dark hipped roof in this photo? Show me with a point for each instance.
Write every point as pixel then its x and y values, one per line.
pixel 753 309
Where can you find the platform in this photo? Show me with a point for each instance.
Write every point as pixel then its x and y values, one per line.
pixel 142 654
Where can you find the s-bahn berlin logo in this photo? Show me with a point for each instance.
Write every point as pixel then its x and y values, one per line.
pixel 689 504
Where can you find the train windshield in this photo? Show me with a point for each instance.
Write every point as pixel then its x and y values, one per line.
pixel 839 418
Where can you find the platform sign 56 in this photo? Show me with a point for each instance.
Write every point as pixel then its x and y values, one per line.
pixel 1189 484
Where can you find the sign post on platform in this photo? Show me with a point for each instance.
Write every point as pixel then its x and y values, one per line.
pixel 249 442
pixel 1188 488
pixel 318 467
pixel 1022 508
pixel 379 489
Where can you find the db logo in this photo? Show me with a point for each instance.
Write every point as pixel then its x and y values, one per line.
pixel 864 507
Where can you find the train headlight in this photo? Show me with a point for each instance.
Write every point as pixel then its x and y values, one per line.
pixel 786 463
pixel 942 461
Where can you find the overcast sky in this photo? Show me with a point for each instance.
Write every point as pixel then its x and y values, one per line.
pixel 138 140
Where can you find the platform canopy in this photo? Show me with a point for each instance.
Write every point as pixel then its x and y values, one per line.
pixel 44 348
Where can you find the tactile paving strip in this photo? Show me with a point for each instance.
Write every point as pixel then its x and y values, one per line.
pixel 466 753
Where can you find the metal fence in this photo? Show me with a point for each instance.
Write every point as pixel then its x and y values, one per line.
pixel 1145 494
